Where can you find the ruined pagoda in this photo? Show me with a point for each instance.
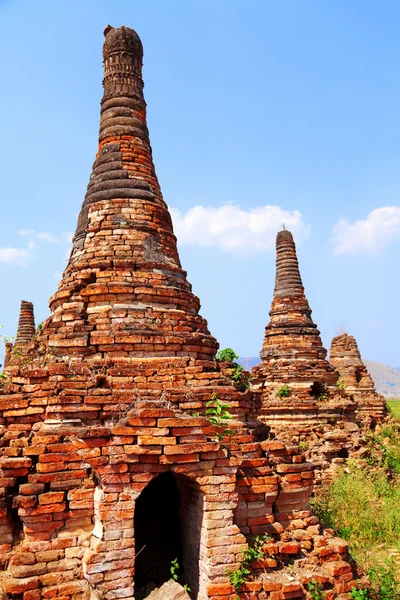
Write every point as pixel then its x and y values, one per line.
pixel 292 354
pixel 110 469
pixel 345 356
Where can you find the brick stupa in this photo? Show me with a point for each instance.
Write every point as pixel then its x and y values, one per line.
pixel 292 354
pixel 124 283
pixel 109 468
pixel 345 357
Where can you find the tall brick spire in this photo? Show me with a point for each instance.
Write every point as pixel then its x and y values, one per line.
pixel 26 324
pixel 123 291
pixel 292 351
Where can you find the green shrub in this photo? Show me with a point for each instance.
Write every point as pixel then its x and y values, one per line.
pixel 284 391
pixel 239 376
pixel 227 355
pixel 340 384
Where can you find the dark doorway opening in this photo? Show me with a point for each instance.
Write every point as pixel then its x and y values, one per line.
pixel 168 522
pixel 157 531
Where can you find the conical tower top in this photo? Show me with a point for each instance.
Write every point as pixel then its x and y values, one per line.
pixel 288 280
pixel 124 292
pixel 26 324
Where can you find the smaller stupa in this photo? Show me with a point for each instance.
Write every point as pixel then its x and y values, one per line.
pixel 345 356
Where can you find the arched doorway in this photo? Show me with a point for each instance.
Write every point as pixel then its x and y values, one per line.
pixel 168 521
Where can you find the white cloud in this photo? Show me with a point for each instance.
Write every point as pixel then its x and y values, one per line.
pixel 45 236
pixel 236 230
pixel 368 236
pixel 14 256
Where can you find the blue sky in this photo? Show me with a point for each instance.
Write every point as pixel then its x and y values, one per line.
pixel 259 112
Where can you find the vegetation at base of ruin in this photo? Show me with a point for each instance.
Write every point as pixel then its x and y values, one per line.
pixel 362 505
pixel 384 584
pixel 217 412
pixel 316 590
pixel 394 407
pixel 174 570
pixel 254 552
pixel 284 391
pixel 239 376
pixel 384 449
pixel 362 594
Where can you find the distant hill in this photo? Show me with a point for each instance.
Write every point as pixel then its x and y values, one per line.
pixel 387 379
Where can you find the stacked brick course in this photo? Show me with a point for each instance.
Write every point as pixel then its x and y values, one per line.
pixel 102 420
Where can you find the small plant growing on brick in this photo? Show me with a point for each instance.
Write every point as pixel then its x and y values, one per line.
pixel 174 570
pixel 217 412
pixel 284 391
pixel 316 590
pixel 362 594
pixel 303 446
pixel 253 552
pixel 239 376
pixel 341 385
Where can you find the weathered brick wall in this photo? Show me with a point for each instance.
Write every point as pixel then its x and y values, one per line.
pixel 78 476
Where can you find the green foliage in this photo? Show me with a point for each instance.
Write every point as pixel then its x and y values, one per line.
pixel 38 329
pixel 217 412
pixel 384 584
pixel 241 379
pixel 323 395
pixel 340 384
pixel 3 379
pixel 284 391
pixel 394 407
pixel 316 590
pixel 384 447
pixel 253 552
pixel 362 594
pixel 174 570
pixel 227 355
pixel 239 376
pixel 238 577
pixel 362 505
pixel 303 446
